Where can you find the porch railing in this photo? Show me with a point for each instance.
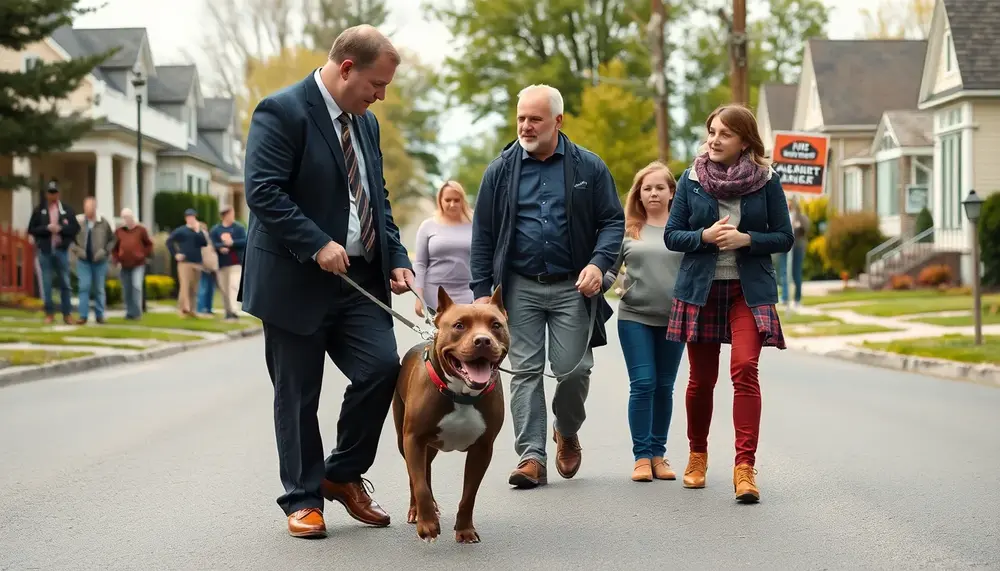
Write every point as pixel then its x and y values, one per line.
pixel 876 254
pixel 17 262
pixel 901 257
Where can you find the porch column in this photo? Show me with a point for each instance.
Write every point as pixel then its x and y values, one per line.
pixel 104 185
pixel 129 191
pixel 22 201
pixel 148 192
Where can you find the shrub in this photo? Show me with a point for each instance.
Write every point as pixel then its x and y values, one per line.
pixel 936 275
pixel 112 292
pixel 989 240
pixel 815 265
pixel 160 287
pixel 900 281
pixel 169 208
pixel 924 222
pixel 21 301
pixel 849 238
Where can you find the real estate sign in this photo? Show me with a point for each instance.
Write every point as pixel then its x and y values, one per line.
pixel 800 159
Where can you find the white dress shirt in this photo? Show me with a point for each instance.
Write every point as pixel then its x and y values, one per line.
pixel 353 246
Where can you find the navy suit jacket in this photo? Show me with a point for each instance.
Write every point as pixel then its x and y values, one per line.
pixel 298 196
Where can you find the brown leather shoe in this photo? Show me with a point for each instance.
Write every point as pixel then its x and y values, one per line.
pixel 694 475
pixel 308 523
pixel 662 469
pixel 529 474
pixel 643 471
pixel 744 484
pixel 355 498
pixel 568 455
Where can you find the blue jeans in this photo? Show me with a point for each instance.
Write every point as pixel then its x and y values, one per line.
pixel 652 363
pixel 133 281
pixel 206 291
pixel 90 280
pixel 56 263
pixel 798 254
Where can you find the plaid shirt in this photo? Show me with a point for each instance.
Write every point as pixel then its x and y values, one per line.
pixel 690 323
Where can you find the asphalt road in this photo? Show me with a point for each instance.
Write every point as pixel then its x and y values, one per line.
pixel 172 465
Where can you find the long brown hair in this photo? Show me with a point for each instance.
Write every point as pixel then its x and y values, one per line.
pixel 740 120
pixel 635 212
pixel 454 185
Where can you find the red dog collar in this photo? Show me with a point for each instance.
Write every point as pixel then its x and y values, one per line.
pixel 443 386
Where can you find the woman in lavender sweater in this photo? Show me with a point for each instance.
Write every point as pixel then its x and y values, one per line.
pixel 443 249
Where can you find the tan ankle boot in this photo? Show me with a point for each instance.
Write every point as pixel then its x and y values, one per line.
pixel 744 484
pixel 694 475
pixel 662 470
pixel 642 472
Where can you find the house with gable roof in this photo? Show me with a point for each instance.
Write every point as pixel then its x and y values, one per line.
pixel 775 110
pixel 960 90
pixel 844 89
pixel 189 142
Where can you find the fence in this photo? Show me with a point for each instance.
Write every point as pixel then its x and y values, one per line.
pixel 17 262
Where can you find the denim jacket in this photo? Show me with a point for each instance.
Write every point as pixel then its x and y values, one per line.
pixel 763 215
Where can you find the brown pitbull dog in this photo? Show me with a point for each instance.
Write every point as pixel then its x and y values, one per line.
pixel 449 397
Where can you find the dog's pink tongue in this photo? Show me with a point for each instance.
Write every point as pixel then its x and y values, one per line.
pixel 479 371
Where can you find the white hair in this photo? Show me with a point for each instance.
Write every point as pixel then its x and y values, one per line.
pixel 126 212
pixel 555 98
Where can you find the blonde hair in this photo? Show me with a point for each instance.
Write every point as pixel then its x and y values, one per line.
pixel 454 185
pixel 741 121
pixel 635 212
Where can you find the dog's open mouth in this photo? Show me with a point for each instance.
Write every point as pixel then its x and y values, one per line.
pixel 476 373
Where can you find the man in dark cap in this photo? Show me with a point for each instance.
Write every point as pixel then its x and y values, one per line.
pixel 54 227
pixel 185 244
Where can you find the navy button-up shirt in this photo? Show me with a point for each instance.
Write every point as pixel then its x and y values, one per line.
pixel 541 233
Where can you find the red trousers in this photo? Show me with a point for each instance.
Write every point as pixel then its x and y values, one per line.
pixel 704 365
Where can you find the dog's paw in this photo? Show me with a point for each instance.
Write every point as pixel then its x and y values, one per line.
pixel 467 535
pixel 429 531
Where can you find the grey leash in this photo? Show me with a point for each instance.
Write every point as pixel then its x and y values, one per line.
pixel 427 335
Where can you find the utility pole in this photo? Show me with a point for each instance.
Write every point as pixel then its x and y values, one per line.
pixel 739 55
pixel 657 22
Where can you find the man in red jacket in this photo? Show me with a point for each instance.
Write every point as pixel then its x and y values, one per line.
pixel 132 248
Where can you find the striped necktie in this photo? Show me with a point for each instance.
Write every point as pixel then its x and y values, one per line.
pixel 354 180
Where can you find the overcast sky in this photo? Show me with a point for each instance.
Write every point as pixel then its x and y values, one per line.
pixel 174 26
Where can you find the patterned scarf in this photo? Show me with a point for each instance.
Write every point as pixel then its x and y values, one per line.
pixel 722 183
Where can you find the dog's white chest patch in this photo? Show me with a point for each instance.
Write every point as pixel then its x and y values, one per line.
pixel 460 428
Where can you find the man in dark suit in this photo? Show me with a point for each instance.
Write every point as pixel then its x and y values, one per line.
pixel 319 208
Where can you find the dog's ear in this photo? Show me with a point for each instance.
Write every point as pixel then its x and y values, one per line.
pixel 444 301
pixel 497 300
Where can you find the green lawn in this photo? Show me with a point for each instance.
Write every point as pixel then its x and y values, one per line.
pixel 926 304
pixel 959 320
pixel 835 329
pixel 792 318
pixel 952 347
pixel 25 357
pixel 174 321
pixel 880 295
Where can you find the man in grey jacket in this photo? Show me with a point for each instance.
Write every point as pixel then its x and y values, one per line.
pixel 92 250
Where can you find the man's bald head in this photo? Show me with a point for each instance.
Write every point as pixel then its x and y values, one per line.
pixel 361 65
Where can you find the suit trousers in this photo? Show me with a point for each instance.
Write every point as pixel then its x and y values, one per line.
pixel 358 337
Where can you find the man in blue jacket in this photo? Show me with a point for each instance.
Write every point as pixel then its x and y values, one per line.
pixel 229 238
pixel 548 224
pixel 185 244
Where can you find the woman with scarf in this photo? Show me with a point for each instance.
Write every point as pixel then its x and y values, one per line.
pixel 728 217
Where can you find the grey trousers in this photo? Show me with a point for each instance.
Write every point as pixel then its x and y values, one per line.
pixel 531 307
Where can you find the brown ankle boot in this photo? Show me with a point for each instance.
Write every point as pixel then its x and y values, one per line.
pixel 643 471
pixel 744 484
pixel 694 475
pixel 662 470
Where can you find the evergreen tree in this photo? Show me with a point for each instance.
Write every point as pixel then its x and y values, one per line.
pixel 34 119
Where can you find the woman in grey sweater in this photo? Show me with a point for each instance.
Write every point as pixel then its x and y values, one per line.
pixel 643 313
pixel 443 249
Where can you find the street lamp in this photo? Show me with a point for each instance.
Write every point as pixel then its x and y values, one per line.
pixel 138 81
pixel 973 206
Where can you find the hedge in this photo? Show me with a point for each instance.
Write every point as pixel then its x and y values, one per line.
pixel 169 207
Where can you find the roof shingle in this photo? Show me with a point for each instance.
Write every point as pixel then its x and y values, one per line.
pixel 975 30
pixel 780 98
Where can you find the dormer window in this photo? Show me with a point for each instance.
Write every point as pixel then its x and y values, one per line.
pixel 193 125
pixel 949 53
pixel 29 62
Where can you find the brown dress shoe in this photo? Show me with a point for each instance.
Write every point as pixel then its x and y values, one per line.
pixel 744 484
pixel 643 471
pixel 662 469
pixel 308 523
pixel 355 498
pixel 568 455
pixel 529 474
pixel 694 475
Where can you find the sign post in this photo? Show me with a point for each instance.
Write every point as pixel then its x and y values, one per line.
pixel 800 159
